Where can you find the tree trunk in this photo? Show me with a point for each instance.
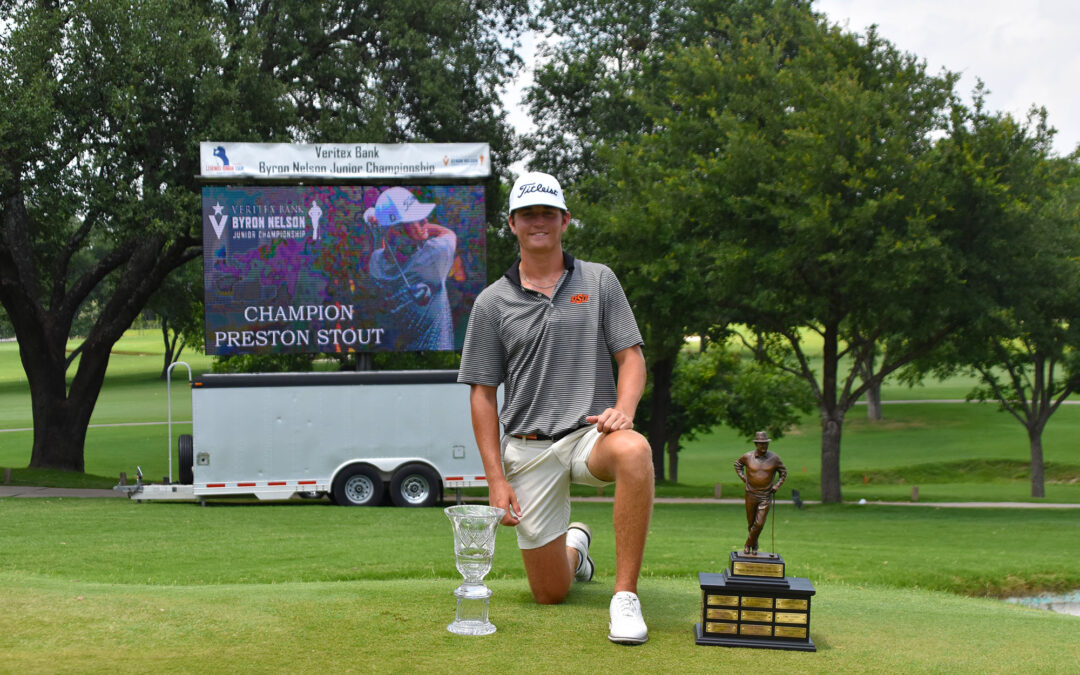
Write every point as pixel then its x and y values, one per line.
pixel 1038 483
pixel 673 456
pixel 832 418
pixel 173 347
pixel 873 393
pixel 832 426
pixel 873 402
pixel 662 370
pixel 61 417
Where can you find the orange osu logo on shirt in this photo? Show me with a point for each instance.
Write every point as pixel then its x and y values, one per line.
pixel 579 299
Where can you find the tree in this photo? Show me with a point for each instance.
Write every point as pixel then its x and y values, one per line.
pixel 835 244
pixel 97 201
pixel 598 101
pixel 106 102
pixel 1025 348
pixel 803 162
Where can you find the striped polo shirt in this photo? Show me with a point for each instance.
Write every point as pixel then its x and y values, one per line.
pixel 553 355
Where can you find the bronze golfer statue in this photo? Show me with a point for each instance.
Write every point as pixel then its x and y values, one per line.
pixel 757 469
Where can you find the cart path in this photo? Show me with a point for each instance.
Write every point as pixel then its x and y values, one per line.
pixel 32 491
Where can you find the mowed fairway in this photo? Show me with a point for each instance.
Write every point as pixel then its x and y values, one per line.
pixel 109 585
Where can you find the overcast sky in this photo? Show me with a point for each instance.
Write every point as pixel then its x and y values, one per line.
pixel 1024 50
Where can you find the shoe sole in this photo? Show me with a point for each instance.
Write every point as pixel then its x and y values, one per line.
pixel 628 641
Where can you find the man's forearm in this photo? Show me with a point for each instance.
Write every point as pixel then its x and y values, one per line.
pixel 631 380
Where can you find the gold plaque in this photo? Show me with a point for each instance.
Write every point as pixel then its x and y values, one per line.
pixel 729 600
pixel 790 617
pixel 751 601
pixel 751 629
pixel 753 615
pixel 758 569
pixel 719 627
pixel 790 632
pixel 791 603
pixel 725 614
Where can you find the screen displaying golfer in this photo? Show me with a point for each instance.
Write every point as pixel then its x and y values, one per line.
pixel 410 262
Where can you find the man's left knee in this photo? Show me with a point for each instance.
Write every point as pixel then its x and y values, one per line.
pixel 632 451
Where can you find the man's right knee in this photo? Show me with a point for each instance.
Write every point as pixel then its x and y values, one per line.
pixel 548 596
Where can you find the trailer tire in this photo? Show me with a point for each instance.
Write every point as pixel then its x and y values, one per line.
pixel 358 485
pixel 415 485
pixel 187 459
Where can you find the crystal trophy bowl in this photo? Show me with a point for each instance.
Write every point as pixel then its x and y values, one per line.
pixel 474 545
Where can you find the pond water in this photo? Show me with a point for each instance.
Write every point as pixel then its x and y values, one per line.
pixel 1068 603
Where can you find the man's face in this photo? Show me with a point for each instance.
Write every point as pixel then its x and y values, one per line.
pixel 761 448
pixel 417 231
pixel 538 227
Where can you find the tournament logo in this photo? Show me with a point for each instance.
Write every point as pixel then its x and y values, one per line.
pixel 218 220
pixel 225 165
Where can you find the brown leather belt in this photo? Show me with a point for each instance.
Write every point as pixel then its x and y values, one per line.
pixel 554 437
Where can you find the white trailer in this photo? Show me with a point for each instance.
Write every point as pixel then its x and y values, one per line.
pixel 352 436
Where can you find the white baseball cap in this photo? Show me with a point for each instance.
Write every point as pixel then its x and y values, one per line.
pixel 395 206
pixel 536 188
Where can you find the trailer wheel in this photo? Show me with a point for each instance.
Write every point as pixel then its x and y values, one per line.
pixel 358 485
pixel 187 460
pixel 414 485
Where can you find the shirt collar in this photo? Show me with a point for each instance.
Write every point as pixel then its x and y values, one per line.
pixel 514 273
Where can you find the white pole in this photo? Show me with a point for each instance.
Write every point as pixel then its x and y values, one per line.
pixel 168 387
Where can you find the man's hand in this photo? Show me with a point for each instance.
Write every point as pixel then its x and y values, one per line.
pixel 501 496
pixel 611 419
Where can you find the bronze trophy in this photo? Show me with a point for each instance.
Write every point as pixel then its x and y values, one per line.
pixel 753 603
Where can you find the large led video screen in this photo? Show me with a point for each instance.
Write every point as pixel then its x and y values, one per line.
pixel 339 269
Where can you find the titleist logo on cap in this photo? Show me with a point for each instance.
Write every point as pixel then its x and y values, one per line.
pixel 536 187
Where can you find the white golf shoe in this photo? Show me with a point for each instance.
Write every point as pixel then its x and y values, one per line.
pixel 627 627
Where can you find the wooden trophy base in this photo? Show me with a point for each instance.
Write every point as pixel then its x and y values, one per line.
pixel 753 604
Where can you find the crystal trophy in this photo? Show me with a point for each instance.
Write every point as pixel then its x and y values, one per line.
pixel 474 545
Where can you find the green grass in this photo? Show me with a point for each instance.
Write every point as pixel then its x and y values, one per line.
pixel 96 585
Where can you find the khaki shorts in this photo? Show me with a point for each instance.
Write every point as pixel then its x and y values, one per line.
pixel 540 473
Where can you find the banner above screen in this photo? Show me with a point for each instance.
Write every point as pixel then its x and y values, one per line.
pixel 343 161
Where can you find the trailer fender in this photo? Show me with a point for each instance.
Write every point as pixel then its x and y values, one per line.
pixel 387 466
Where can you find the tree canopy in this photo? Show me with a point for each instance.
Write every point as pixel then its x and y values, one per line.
pixel 1024 345
pixel 789 176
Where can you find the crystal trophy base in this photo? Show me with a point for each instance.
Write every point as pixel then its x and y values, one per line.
pixel 472 611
